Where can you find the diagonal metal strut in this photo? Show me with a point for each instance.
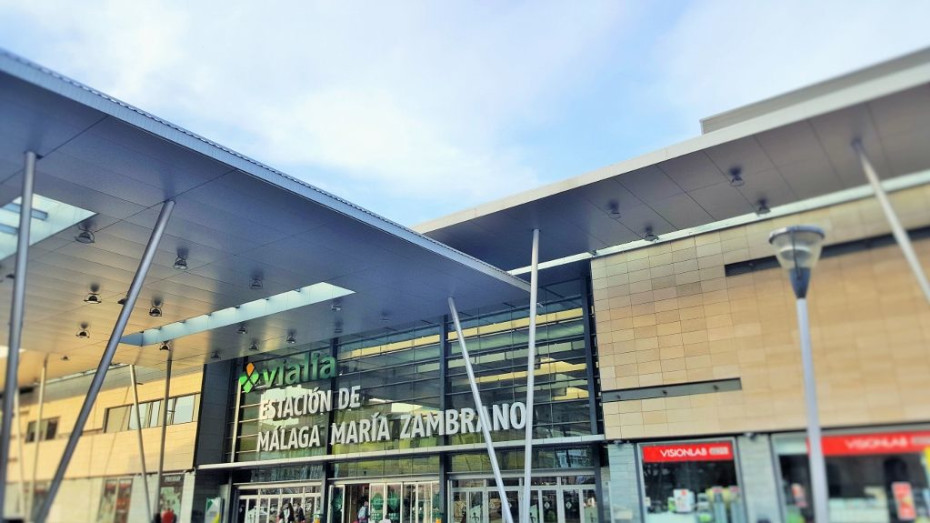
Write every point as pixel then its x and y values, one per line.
pixel 107 357
pixel 482 414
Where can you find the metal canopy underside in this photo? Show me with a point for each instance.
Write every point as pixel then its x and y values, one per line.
pixel 236 220
pixel 799 151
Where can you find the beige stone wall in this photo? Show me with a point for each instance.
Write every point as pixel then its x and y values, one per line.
pixel 667 314
pixel 114 454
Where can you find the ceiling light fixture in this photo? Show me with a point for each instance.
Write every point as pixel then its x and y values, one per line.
pixel 336 306
pixel 85 236
pixel 649 236
pixel 763 209
pixel 165 346
pixel 242 330
pixel 256 284
pixel 291 340
pixel 93 298
pixel 253 347
pixel 123 300
pixel 337 329
pixel 83 333
pixel 180 263
pixel 614 209
pixel 155 311
pixel 65 358
pixel 736 177
pixel 215 355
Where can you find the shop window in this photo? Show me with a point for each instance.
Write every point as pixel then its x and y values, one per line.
pixel 49 429
pixel 878 477
pixel 691 482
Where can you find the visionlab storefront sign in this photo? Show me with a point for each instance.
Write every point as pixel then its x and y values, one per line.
pixel 292 415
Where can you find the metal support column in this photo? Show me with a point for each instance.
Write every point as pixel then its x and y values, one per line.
pixel 817 464
pixel 530 380
pixel 30 507
pixel 16 319
pixel 326 509
pixel 135 406
pixel 164 429
pixel 482 414
pixel 591 375
pixel 900 235
pixel 107 357
pixel 21 456
pixel 443 405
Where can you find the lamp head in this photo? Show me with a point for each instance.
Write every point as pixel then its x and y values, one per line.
pixel 797 249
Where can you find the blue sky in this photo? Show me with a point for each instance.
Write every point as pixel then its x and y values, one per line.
pixel 418 109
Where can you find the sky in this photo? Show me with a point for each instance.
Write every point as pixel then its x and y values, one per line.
pixel 417 109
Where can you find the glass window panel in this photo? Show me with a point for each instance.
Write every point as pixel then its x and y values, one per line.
pixel 117 419
pixel 183 410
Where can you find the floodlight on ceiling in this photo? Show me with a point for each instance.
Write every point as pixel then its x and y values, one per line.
pixel 256 284
pixel 180 263
pixel 253 347
pixel 736 177
pixel 155 311
pixel 49 217
pixel 291 339
pixel 650 236
pixel 65 357
pixel 165 346
pixel 242 330
pixel 762 209
pixel 240 314
pixel 215 355
pixel 83 333
pixel 85 235
pixel 93 299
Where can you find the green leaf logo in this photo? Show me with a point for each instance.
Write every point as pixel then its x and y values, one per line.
pixel 249 379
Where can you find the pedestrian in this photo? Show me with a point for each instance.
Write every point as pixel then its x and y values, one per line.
pixel 363 511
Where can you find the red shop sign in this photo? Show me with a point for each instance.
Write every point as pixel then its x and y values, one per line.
pixel 715 451
pixel 880 443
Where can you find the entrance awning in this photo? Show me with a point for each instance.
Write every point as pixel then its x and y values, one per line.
pixel 241 236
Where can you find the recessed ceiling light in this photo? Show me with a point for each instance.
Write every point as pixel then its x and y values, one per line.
pixel 83 333
pixel 93 298
pixel 253 347
pixel 256 284
pixel 242 330
pixel 65 357
pixel 291 340
pixel 736 177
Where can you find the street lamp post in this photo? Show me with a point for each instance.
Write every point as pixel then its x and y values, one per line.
pixel 798 249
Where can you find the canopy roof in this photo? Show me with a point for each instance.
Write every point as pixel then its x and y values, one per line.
pixel 787 149
pixel 107 166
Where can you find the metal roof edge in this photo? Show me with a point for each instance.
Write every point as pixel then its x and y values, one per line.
pixel 848 96
pixel 59 84
pixel 875 71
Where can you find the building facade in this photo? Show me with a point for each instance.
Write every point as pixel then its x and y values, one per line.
pixel 668 373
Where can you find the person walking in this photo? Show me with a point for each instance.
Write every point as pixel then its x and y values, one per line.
pixel 363 511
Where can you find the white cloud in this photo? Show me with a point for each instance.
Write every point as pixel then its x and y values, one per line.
pixel 722 54
pixel 417 101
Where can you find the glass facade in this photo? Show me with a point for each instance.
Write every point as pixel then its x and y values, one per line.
pixel 385 392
